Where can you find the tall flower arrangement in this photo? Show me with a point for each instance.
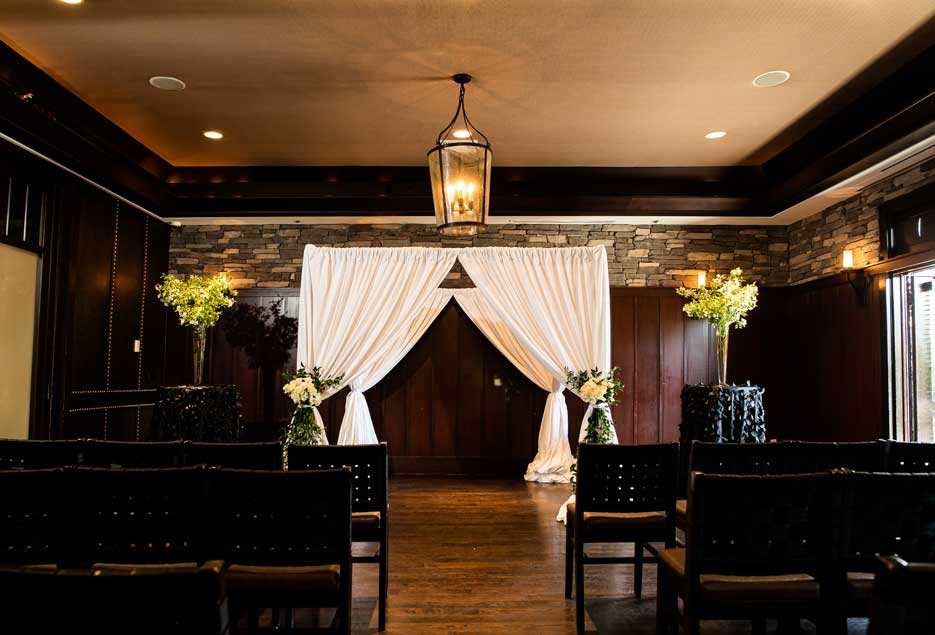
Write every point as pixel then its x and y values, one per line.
pixel 306 389
pixel 724 304
pixel 198 301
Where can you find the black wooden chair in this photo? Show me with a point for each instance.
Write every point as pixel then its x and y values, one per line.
pixel 285 538
pixel 624 494
pixel 905 456
pixel 784 457
pixel 141 600
pixel 16 454
pixel 728 458
pixel 133 454
pixel 33 518
pixel 246 456
pixel 138 517
pixel 883 514
pixel 902 598
pixel 370 522
pixel 756 547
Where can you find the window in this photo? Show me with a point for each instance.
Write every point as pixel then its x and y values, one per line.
pixel 911 356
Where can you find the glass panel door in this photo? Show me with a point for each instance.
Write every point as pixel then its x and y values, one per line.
pixel 911 326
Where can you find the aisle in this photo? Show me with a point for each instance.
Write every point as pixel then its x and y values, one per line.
pixel 486 557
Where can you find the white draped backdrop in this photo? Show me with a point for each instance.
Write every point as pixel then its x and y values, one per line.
pixel 546 310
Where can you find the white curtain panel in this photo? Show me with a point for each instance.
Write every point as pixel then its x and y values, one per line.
pixel 357 425
pixel 355 305
pixel 552 463
pixel 555 301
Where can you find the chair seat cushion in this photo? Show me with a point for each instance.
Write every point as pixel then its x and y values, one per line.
pixel 681 513
pixel 146 569
pixel 365 520
pixel 249 579
pixel 621 520
pixel 860 585
pixel 795 588
pixel 742 589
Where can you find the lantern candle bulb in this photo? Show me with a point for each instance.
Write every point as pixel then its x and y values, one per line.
pixel 702 278
pixel 848 259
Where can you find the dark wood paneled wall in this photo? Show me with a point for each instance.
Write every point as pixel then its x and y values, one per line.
pixel 820 354
pixel 99 262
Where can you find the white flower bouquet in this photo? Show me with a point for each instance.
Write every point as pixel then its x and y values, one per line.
pixel 307 389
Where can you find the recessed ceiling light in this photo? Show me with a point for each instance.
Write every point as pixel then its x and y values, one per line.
pixel 771 78
pixel 461 134
pixel 72 1
pixel 166 83
pixel 213 134
pixel 715 134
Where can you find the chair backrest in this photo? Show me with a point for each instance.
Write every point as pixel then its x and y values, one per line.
pixel 367 463
pixel 133 454
pixel 905 456
pixel 626 478
pixel 902 598
pixel 247 456
pixel 801 457
pixel 17 454
pixel 757 525
pixel 137 515
pixel 888 514
pixel 33 516
pixel 281 518
pixel 733 458
pixel 786 457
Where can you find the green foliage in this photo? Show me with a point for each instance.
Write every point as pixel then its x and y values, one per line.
pixel 199 300
pixel 724 303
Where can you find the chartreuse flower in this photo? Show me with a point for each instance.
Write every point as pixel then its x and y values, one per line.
pixel 723 304
pixel 198 300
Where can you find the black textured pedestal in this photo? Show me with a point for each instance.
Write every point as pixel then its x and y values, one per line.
pixel 720 414
pixel 197 413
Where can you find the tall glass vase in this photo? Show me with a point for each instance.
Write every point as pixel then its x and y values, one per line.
pixel 199 337
pixel 722 358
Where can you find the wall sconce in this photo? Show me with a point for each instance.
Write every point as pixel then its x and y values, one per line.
pixel 848 259
pixel 856 277
pixel 702 278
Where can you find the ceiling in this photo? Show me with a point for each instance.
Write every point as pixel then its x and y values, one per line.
pixel 557 83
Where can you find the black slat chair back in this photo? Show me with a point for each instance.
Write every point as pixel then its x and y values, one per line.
pixel 758 525
pixel 802 457
pixel 246 456
pixel 733 458
pixel 626 478
pixel 368 465
pixel 18 454
pixel 138 515
pixel 888 514
pixel 293 518
pixel 905 456
pixel 133 454
pixel 33 516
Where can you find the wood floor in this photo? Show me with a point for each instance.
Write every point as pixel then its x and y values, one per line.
pixel 486 557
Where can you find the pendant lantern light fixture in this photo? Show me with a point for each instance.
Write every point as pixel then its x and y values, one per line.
pixel 459 166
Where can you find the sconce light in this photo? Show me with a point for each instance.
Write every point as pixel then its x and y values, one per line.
pixel 848 259
pixel 856 277
pixel 702 278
